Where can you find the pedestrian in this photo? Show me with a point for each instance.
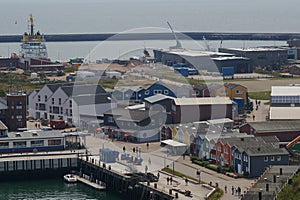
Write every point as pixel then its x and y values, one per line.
pixel 239 190
pixel 146 169
pixel 253 117
pixel 39 126
pixel 133 150
pixel 35 124
pixel 158 175
pixel 171 180
pixel 124 149
pixel 147 146
pixel 259 103
pixel 256 101
pixel 149 161
pixel 168 180
pixel 186 181
pixel 225 188
pixel 232 190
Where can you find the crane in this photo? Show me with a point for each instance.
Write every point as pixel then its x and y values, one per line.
pixel 178 44
pixel 31 25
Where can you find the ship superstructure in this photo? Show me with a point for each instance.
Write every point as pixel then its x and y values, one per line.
pixel 33 44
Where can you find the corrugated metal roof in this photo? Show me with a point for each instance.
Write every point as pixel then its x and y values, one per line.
pixel 157 97
pixel 277 126
pixel 285 90
pixel 202 101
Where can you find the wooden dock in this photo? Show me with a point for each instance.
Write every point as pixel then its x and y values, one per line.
pixel 89 183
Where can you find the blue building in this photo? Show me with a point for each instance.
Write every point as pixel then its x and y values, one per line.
pixel 253 159
pixel 139 93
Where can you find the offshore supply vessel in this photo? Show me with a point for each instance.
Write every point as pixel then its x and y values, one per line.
pixel 33 44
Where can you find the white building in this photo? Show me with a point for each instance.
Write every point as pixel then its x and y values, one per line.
pixel 285 103
pixel 69 102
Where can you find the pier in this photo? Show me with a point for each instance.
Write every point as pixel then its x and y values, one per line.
pixel 77 37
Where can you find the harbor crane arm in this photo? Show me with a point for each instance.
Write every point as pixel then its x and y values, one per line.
pixel 178 44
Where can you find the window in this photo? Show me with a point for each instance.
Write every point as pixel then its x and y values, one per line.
pixel 157 92
pixel 166 92
pixel 19 144
pixel 67 112
pixel 266 158
pixel 70 102
pixel 39 98
pixel 59 101
pixel 110 119
pixel 239 91
pixel 272 158
pixel 36 106
pixel 147 92
pixel 61 110
pixel 223 92
pixel 54 142
pixel 278 158
pixel 53 101
pixel 4 145
pixel 50 109
pixel 46 98
pixel 71 113
pixel 37 143
pixel 225 151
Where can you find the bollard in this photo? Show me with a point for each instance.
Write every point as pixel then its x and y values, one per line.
pixel 155 185
pixel 170 191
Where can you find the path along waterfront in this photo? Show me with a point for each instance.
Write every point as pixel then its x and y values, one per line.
pixel 159 159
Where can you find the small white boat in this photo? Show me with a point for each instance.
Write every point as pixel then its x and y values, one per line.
pixel 70 178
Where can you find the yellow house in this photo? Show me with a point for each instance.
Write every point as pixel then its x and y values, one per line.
pixel 236 91
pixel 232 90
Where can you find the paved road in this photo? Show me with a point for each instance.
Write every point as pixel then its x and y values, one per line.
pixel 188 168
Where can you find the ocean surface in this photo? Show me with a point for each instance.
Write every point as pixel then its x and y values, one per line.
pixel 116 16
pixel 52 189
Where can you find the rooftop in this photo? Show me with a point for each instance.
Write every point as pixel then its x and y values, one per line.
pixel 2 126
pixel 277 126
pixel 286 90
pixel 157 98
pixel 203 101
pixel 32 134
pixel 285 113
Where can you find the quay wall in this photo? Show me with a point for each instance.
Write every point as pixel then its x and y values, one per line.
pixel 55 166
pixel 157 36
pixel 35 168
